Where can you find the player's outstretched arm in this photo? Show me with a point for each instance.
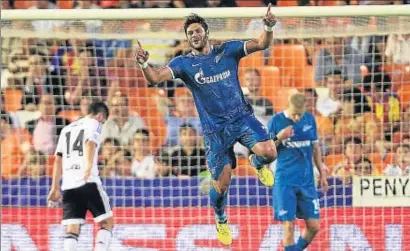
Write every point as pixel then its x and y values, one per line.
pixel 317 157
pixel 153 76
pixel 266 38
pixel 54 195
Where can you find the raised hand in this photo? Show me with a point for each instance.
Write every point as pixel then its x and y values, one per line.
pixel 141 55
pixel 269 19
pixel 286 133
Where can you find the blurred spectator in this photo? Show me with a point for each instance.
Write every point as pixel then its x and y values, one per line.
pixel 39 81
pixel 34 165
pixel 108 148
pixel 144 164
pixel 12 115
pixel 364 168
pixel 188 159
pixel 184 113
pixel 93 26
pixel 66 59
pixel 47 128
pixel 401 165
pixel 330 105
pixel 398 49
pixel 14 144
pixel 385 103
pixel 110 48
pixel 356 118
pixel 324 124
pixel 84 104
pixel 119 164
pixel 88 81
pixel 120 124
pixel 371 48
pixel 222 3
pixel 20 52
pixel 336 55
pixel 261 105
pixel 46 25
pixel 353 154
pixel 189 3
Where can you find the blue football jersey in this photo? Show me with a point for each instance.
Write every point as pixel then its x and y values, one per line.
pixel 294 164
pixel 213 81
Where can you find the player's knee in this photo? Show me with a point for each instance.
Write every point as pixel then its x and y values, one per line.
pixel 269 152
pixel 107 223
pixel 73 229
pixel 288 228
pixel 313 228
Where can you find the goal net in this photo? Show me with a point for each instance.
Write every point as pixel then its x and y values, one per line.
pixel 353 64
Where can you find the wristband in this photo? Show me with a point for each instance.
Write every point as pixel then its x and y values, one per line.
pixel 268 29
pixel 144 65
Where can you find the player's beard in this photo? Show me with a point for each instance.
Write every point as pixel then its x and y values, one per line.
pixel 200 46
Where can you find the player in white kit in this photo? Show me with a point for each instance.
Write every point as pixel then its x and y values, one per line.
pixel 76 162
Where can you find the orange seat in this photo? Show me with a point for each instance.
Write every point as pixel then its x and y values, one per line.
pixel 291 60
pixel 129 78
pixel 270 81
pixel 280 99
pixel 378 163
pixel 331 161
pixel 254 60
pixel 12 99
pixel 50 165
pixel 286 3
pixel 243 168
pixel 70 115
pixel 143 102
pixel 404 95
pixel 249 3
pixel 65 4
pixel 24 4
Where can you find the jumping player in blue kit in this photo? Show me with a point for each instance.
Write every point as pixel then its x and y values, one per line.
pixel 211 74
pixel 294 193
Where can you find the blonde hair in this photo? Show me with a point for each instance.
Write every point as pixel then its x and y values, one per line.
pixel 297 100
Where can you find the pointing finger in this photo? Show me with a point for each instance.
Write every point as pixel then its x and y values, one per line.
pixel 268 11
pixel 139 43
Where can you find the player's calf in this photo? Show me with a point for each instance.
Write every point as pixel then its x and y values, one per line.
pixel 71 237
pixel 312 228
pixel 104 235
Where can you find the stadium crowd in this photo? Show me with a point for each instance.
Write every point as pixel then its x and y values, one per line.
pixel 358 89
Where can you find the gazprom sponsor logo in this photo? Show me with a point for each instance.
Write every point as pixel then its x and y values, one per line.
pixel 201 79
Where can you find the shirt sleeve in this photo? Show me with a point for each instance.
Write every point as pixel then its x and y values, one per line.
pixel 271 128
pixel 60 145
pixel 93 132
pixel 176 67
pixel 237 48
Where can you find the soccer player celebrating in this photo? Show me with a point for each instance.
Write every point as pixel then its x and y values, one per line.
pixel 211 73
pixel 76 161
pixel 294 193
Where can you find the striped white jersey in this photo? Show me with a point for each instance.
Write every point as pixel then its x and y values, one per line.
pixel 70 147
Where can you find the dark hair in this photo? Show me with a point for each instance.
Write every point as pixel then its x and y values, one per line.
pixel 98 107
pixel 403 146
pixel 195 18
pixel 335 72
pixel 381 81
pixel 254 70
pixel 354 140
pixel 6 117
pixel 142 131
pixel 114 141
pixel 311 91
pixel 187 126
pixel 360 102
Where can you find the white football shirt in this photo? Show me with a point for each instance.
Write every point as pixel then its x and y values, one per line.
pixel 70 147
